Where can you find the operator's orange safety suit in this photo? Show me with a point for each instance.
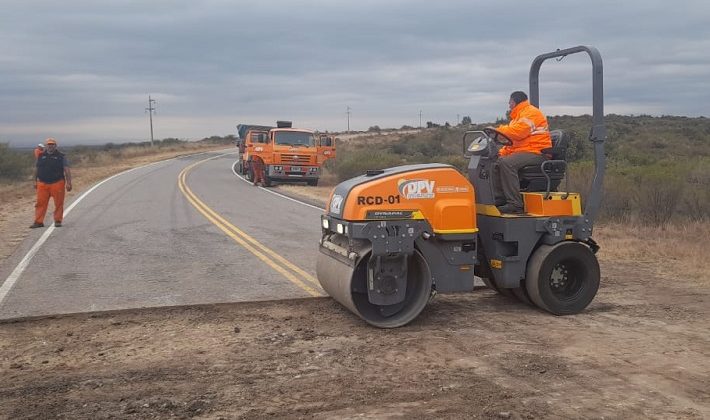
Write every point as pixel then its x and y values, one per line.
pixel 527 130
pixel 257 166
pixel 529 134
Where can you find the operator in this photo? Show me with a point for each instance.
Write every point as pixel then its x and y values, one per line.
pixel 258 170
pixel 52 176
pixel 529 133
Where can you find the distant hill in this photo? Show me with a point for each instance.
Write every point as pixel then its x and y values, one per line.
pixel 640 139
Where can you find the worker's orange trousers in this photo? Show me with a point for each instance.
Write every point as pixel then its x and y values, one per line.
pixel 44 191
pixel 258 169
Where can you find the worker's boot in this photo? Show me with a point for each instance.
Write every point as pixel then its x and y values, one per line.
pixel 36 225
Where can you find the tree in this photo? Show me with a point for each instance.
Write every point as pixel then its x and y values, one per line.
pixel 466 120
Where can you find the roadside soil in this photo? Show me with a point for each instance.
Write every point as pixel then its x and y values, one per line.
pixel 641 350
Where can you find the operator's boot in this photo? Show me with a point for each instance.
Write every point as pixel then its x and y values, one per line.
pixel 511 209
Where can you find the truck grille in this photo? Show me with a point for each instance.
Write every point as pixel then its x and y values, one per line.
pixel 295 159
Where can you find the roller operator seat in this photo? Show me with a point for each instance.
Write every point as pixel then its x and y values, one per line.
pixel 548 175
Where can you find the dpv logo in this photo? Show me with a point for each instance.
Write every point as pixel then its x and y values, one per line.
pixel 336 203
pixel 416 188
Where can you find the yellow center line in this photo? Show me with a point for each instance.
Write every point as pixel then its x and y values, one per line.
pixel 245 240
pixel 256 243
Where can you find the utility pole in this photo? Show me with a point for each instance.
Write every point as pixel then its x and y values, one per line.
pixel 348 112
pixel 458 119
pixel 420 118
pixel 150 110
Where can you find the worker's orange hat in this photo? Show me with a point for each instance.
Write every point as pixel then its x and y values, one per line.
pixel 50 141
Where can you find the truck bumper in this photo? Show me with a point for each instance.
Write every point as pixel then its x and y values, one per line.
pixel 292 172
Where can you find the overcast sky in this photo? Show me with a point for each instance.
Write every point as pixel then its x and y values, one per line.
pixel 81 71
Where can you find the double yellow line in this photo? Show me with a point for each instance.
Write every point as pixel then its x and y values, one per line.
pixel 271 258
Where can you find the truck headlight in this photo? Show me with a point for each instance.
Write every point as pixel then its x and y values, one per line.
pixel 325 223
pixel 339 228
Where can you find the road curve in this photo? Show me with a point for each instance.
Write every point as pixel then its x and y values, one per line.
pixel 179 232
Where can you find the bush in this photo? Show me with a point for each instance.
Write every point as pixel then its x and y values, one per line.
pixel 14 165
pixel 358 162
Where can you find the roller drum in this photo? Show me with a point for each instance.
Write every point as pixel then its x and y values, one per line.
pixel 347 284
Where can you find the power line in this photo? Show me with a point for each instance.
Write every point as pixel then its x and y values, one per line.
pixel 151 110
pixel 420 118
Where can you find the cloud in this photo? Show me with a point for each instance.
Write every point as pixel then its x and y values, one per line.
pixel 84 69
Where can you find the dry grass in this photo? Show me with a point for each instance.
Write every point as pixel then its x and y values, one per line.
pixel 318 194
pixel 677 251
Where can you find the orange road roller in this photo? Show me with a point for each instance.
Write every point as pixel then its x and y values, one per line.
pixel 393 238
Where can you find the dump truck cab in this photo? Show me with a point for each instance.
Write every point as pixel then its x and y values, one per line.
pixel 288 154
pixel 326 147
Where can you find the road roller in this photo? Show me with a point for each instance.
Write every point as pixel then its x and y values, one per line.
pixel 394 238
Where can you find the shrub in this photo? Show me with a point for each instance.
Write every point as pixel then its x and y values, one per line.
pixel 358 162
pixel 14 165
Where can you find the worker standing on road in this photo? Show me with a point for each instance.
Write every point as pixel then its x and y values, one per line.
pixel 52 176
pixel 258 170
pixel 38 151
pixel 529 132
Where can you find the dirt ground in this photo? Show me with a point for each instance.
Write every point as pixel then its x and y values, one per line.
pixel 641 350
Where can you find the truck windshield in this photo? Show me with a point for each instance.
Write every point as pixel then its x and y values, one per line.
pixel 295 138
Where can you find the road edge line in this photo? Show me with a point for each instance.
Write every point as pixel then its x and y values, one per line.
pixel 275 193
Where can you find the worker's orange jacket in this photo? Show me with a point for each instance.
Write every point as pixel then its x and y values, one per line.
pixel 527 130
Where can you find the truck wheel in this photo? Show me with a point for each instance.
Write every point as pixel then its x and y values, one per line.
pixel 563 278
pixel 250 175
pixel 237 167
pixel 313 182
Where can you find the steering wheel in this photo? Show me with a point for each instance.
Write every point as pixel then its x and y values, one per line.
pixel 497 136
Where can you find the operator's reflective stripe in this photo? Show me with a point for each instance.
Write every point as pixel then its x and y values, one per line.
pixel 533 128
pixel 540 130
pixel 528 122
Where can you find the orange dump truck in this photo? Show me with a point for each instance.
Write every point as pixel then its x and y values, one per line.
pixel 289 154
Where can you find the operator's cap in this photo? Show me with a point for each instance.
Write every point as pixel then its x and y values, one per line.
pixel 51 141
pixel 40 145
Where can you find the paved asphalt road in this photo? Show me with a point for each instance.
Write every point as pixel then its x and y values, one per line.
pixel 139 240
